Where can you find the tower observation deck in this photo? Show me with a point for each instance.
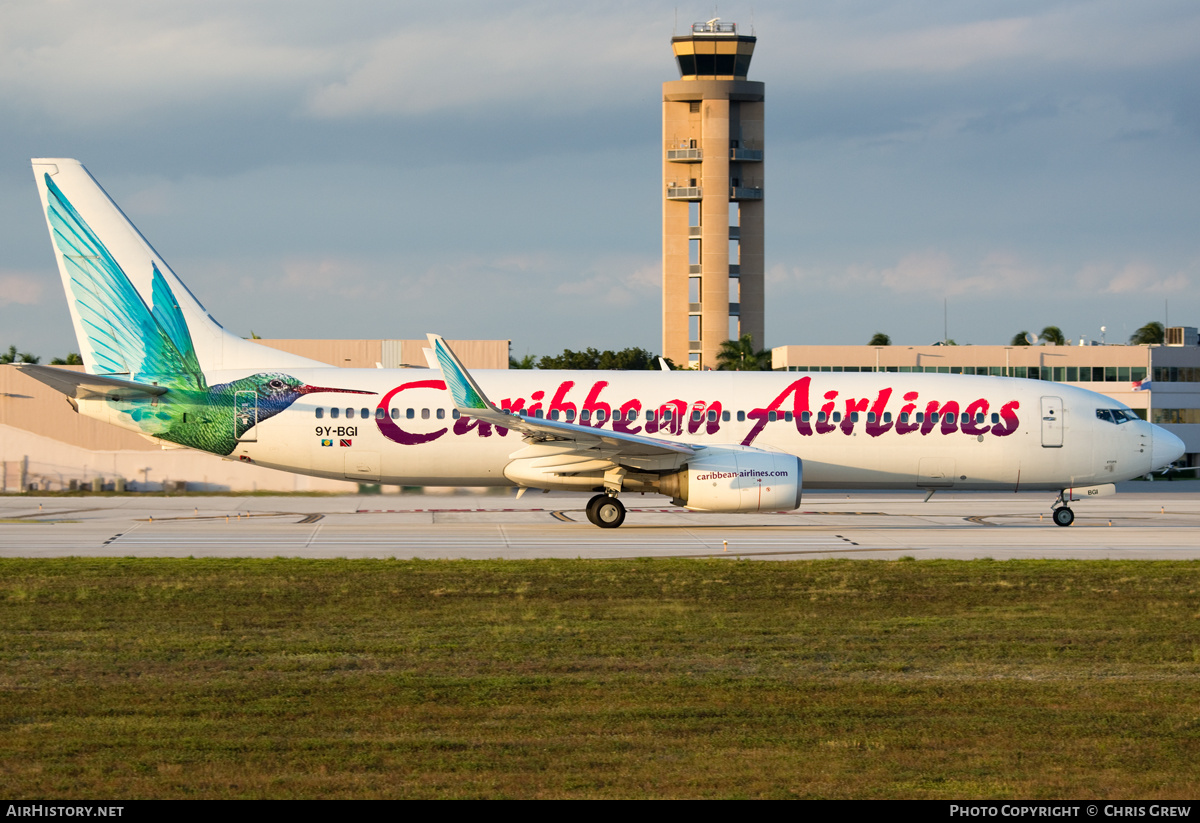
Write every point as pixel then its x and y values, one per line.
pixel 712 196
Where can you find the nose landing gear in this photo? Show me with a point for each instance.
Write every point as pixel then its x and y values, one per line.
pixel 1061 512
pixel 1063 516
pixel 606 511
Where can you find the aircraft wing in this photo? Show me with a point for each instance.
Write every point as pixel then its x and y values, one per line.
pixel 81 385
pixel 606 444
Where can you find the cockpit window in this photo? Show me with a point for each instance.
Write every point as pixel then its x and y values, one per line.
pixel 1117 416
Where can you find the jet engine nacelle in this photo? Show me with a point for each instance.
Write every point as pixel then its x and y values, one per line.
pixel 736 479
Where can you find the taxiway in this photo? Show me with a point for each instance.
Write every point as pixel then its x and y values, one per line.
pixel 1146 520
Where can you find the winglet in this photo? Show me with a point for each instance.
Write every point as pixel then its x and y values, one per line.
pixel 468 397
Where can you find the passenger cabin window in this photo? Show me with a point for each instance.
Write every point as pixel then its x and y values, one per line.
pixel 380 414
pixel 364 413
pixel 585 416
pixel 410 414
pixel 741 417
pixel 333 413
pixel 424 414
pixel 320 412
pixel 441 414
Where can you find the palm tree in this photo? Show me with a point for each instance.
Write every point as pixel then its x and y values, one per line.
pixel 880 339
pixel 14 356
pixel 739 355
pixel 1053 334
pixel 1152 332
pixel 1019 339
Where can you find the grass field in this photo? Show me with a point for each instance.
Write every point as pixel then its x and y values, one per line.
pixel 667 678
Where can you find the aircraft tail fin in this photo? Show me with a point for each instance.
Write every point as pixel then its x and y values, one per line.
pixel 132 314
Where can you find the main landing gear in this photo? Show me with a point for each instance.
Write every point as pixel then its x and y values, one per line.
pixel 606 511
pixel 1061 512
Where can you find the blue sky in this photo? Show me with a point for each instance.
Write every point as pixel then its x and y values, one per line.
pixel 380 170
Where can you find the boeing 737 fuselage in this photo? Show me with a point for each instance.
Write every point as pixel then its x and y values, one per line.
pixel 158 364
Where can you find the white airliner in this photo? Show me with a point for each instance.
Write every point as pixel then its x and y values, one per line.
pixel 158 364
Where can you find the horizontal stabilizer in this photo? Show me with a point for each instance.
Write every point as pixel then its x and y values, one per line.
pixel 83 386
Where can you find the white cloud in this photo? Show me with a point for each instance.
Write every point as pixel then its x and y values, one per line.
pixel 615 283
pixel 843 47
pixel 1110 33
pixel 20 289
pixel 1131 279
pixel 514 55
pixel 929 272
pixel 83 61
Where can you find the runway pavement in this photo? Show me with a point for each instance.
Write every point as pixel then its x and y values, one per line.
pixel 1145 520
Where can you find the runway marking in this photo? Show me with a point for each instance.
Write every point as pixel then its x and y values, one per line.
pixel 237 515
pixel 631 509
pixel 437 511
pixel 53 514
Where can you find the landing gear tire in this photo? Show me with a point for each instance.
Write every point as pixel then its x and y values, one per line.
pixel 606 512
pixel 1063 516
pixel 590 510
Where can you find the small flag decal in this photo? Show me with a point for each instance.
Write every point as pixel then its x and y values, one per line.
pixel 326 442
pixel 343 442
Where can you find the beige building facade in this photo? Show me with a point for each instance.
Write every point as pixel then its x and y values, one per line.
pixel 712 196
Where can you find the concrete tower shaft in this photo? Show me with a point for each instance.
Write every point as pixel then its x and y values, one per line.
pixel 712 196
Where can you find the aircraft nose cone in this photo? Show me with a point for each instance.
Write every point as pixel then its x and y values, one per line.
pixel 1167 448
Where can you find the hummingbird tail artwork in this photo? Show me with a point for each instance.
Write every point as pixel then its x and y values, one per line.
pixel 148 345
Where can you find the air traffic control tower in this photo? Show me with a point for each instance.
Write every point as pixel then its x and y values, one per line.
pixel 712 196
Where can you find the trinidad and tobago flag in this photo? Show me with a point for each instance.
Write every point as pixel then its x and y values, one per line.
pixel 343 442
